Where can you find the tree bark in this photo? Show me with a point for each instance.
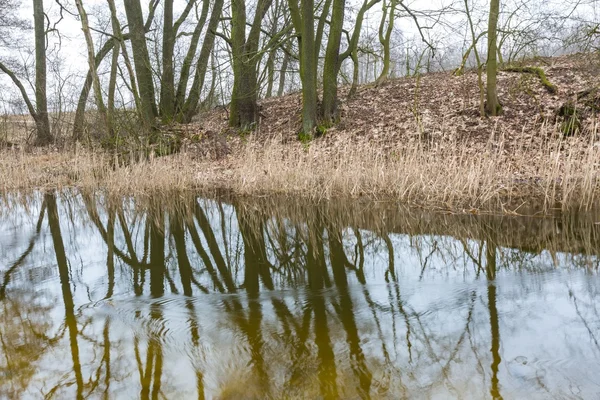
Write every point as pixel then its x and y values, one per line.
pixel 92 65
pixel 389 11
pixel 304 23
pixel 332 63
pixel 283 71
pixel 184 75
pixel 44 136
pixel 141 61
pixel 244 107
pixel 493 106
pixel 191 104
pixel 167 87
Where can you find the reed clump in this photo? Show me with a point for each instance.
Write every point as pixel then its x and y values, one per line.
pixel 546 171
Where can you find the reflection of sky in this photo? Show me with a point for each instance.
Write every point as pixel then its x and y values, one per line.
pixel 547 316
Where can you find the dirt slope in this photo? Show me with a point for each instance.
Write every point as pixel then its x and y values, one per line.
pixel 438 107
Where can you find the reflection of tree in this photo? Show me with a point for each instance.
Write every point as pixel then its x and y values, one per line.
pixel 490 256
pixel 23 324
pixel 63 271
pixel 294 294
pixel 10 270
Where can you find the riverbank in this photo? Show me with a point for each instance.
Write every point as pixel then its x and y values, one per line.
pixel 419 141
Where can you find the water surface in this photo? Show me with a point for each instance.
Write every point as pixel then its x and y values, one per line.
pixel 196 298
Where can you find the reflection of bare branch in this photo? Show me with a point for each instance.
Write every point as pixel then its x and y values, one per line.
pixel 585 323
pixel 21 259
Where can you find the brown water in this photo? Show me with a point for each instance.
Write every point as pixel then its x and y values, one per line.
pixel 204 299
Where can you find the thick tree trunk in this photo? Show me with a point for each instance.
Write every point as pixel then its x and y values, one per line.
pixel 243 109
pixel 167 87
pixel 493 106
pixel 308 69
pixel 141 61
pixel 332 63
pixel 44 136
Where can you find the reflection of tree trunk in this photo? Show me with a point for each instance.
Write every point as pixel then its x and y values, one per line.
pixel 338 265
pixel 183 261
pixel 213 247
pixel 157 253
pixel 316 269
pixel 106 358
pixel 110 259
pixel 494 321
pixel 63 271
pixel 255 267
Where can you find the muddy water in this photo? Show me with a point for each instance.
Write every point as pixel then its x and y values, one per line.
pixel 198 298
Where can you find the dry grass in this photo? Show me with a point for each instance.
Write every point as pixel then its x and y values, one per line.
pixel 544 172
pixel 547 172
pixel 82 168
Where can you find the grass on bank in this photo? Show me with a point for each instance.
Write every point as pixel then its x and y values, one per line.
pixel 547 171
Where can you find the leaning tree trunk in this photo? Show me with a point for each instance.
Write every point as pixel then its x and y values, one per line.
pixel 92 65
pixel 385 39
pixel 44 136
pixel 186 66
pixel 493 106
pixel 191 104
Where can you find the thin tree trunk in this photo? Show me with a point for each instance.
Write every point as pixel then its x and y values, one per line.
pixel 389 11
pixel 92 65
pixel 184 75
pixel 284 68
pixel 493 106
pixel 191 104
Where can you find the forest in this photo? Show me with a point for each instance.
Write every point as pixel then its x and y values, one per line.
pixel 142 80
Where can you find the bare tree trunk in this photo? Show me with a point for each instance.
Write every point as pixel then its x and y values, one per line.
pixel 284 68
pixel 352 50
pixel 141 61
pixel 304 22
pixel 167 87
pixel 191 104
pixel 308 69
pixel 493 106
pixel 184 75
pixel 389 11
pixel 244 108
pixel 92 65
pixel 44 136
pixel 332 63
